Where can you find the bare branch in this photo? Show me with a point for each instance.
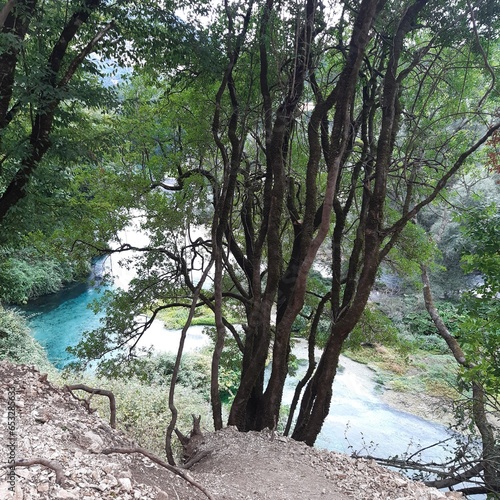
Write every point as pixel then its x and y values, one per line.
pixel 51 464
pixel 176 470
pixel 100 392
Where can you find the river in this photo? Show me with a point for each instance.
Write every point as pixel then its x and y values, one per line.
pixel 358 421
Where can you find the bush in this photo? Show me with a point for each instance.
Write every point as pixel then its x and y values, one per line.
pixel 374 327
pixel 17 344
pixel 194 371
pixel 142 408
pixel 24 277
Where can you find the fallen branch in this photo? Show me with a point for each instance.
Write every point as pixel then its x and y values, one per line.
pixel 448 477
pixel 40 461
pixel 179 472
pixel 100 392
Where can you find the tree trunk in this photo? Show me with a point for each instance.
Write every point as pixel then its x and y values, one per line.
pixel 317 397
pixel 490 449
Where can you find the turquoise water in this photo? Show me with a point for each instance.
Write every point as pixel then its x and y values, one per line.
pixel 358 421
pixel 59 320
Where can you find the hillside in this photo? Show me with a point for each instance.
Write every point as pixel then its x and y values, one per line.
pixel 64 445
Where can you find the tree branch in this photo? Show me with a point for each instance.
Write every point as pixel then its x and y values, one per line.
pixel 75 63
pixel 51 464
pixel 100 392
pixel 179 472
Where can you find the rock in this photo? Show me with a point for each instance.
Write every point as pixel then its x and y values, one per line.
pixel 58 428
pixel 60 493
pixel 125 483
pixel 42 487
pixel 92 441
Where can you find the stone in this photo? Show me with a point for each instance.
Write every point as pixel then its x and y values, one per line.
pixel 42 487
pixel 125 483
pixel 61 493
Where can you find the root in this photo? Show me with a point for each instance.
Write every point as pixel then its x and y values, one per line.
pixel 92 391
pixel 40 461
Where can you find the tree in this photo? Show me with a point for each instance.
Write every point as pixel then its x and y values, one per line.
pixel 479 376
pixel 53 60
pixel 325 128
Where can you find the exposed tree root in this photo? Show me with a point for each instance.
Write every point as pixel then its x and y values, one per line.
pixel 40 461
pixel 159 461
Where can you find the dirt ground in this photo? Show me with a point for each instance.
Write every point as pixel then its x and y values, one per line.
pixel 58 448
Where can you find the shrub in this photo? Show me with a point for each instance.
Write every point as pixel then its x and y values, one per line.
pixel 142 408
pixel 17 344
pixel 374 327
pixel 25 276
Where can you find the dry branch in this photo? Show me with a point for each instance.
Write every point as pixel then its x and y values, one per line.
pixel 40 461
pixel 175 470
pixel 100 392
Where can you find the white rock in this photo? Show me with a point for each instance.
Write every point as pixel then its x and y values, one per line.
pixel 400 482
pixel 125 483
pixel 42 488
pixel 93 441
pixel 5 492
pixel 62 494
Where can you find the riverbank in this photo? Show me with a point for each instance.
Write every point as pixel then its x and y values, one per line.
pixel 414 384
pixel 432 408
pixel 438 409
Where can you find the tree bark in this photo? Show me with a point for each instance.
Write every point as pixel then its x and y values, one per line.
pixel 490 449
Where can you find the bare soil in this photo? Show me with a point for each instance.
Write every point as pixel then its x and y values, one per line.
pixel 55 433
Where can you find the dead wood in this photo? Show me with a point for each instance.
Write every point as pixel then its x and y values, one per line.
pixel 175 470
pixel 40 461
pixel 191 443
pixel 92 391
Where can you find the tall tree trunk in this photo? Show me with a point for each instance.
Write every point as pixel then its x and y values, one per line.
pixel 344 93
pixel 490 449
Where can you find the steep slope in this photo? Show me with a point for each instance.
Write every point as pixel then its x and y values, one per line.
pixel 61 449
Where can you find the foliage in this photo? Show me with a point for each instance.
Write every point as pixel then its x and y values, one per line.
pixel 142 407
pixel 476 187
pixel 374 327
pixel 176 317
pixel 250 140
pixel 480 326
pixel 421 327
pixel 239 168
pixel 26 275
pixel 17 344
pixel 194 372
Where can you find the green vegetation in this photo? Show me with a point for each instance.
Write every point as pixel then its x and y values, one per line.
pixel 253 145
pixel 176 317
pixel 18 345
pixel 142 407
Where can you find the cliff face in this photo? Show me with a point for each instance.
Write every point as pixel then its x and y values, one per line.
pixel 51 447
